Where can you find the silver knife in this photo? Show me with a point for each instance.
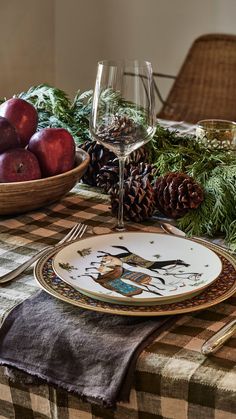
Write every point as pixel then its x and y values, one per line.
pixel 219 338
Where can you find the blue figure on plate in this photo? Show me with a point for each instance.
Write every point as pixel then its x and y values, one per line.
pixel 112 276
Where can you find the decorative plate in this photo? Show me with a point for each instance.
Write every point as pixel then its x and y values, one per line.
pixel 221 289
pixel 138 268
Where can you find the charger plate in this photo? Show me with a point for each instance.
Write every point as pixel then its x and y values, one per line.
pixel 137 267
pixel 221 289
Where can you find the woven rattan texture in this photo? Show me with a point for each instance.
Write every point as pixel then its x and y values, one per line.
pixel 206 84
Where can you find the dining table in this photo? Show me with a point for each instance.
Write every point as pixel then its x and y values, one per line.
pixel 172 378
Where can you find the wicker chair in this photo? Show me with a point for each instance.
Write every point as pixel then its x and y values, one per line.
pixel 206 84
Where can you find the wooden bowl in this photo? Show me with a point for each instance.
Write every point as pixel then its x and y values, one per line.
pixel 19 197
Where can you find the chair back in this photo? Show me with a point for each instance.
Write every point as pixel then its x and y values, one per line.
pixel 205 87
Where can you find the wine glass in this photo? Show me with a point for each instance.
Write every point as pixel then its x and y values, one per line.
pixel 122 117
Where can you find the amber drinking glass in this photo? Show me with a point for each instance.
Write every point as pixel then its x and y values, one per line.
pixel 217 134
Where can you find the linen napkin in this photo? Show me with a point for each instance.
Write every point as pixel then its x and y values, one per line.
pixel 88 353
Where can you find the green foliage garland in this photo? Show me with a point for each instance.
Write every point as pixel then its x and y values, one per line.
pixel 215 170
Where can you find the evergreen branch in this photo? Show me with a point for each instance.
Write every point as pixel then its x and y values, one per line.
pixel 49 99
pixel 173 152
pixel 230 237
pixel 222 214
pixel 198 222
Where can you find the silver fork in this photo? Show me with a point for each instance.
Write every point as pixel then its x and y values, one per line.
pixel 77 231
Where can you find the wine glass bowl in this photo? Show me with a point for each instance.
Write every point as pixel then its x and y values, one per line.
pixel 122 117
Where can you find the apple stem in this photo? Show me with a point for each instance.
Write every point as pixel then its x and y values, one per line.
pixel 20 167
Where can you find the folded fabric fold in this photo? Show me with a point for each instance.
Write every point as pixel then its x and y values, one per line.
pixel 88 353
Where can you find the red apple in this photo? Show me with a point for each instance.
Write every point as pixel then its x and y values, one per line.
pixel 55 150
pixel 8 136
pixel 18 165
pixel 22 115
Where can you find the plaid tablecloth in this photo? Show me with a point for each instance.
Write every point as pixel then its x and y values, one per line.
pixel 172 379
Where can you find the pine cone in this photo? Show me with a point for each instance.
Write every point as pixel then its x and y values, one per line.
pixel 176 194
pixel 109 174
pixel 142 154
pixel 99 156
pixel 143 169
pixel 139 203
pixel 121 126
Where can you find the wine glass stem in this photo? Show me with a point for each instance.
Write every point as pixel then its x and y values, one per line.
pixel 120 225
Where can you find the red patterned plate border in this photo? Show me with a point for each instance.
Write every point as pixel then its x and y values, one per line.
pixel 223 288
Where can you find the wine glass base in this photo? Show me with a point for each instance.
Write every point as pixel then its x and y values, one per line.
pixel 120 229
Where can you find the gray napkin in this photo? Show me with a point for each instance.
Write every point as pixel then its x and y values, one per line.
pixel 88 353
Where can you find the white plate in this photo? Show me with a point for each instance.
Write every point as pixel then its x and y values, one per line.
pixel 137 267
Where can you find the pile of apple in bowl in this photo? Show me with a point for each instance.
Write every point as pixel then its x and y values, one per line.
pixel 36 168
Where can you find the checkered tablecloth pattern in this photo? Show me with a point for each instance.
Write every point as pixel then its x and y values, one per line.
pixel 172 379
